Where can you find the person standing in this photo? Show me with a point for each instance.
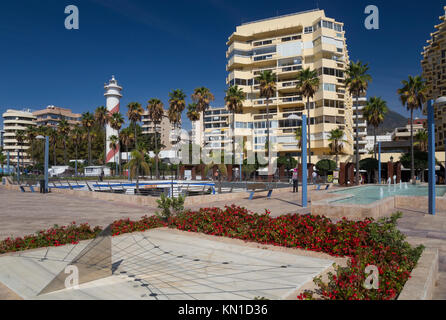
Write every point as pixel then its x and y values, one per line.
pixel 314 177
pixel 295 181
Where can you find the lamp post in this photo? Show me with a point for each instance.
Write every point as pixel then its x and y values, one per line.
pixel 18 166
pixel 379 162
pixel 7 163
pixel 303 156
pixel 431 149
pixel 46 160
pixel 304 162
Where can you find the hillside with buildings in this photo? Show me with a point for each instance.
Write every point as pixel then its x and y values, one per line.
pixel 391 121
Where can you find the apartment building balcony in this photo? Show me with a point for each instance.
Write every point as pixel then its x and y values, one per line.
pixel 238 62
pixel 287 86
pixel 289 70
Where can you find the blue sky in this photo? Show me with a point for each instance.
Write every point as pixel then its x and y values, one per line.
pixel 153 47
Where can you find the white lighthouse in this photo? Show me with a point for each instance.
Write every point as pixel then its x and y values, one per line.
pixel 113 97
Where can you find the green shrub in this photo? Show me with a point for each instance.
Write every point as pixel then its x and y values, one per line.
pixel 170 206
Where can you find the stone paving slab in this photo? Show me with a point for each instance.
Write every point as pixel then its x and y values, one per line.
pixel 166 264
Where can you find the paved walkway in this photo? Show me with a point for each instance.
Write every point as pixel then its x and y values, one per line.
pixel 431 232
pixel 26 213
pixel 283 201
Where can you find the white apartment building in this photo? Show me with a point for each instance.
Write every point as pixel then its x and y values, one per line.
pixel 13 121
pixel 286 45
pixel 362 125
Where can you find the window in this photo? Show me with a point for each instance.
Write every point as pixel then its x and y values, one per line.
pixel 338 27
pixel 262 43
pixel 329 87
pixel 327 24
pixel 291 38
pixel 308 30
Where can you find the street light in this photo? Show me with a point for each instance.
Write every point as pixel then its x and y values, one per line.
pixel 303 157
pixel 46 159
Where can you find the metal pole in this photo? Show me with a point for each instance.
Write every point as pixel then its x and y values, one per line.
pixel 75 168
pixel 18 166
pixel 47 154
pixel 431 155
pixel 241 162
pixel 128 168
pixel 7 164
pixel 379 162
pixel 304 162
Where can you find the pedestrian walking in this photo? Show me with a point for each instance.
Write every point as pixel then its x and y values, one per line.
pixel 295 181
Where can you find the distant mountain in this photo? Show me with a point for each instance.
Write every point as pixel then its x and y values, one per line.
pixel 392 120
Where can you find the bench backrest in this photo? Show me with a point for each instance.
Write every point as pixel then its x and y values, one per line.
pixel 256 186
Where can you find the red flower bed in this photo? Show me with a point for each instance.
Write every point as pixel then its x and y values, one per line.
pixel 53 237
pixel 365 243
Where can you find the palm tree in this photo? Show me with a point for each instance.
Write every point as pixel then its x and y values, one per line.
pixel 76 135
pixel 307 85
pixel 126 136
pixel 234 102
pixel 116 121
pixel 63 129
pixel 192 112
pixel 156 112
pixel 137 165
pixel 54 137
pixel 102 117
pixel 88 123
pixel 374 112
pixel 357 82
pixel 336 137
pixel 202 97
pixel 134 113
pixel 298 137
pixel 267 81
pixel 422 139
pixel 31 134
pixel 177 104
pixel 413 96
pixel 114 143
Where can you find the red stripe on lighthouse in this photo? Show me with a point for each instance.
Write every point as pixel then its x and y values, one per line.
pixel 111 154
pixel 115 109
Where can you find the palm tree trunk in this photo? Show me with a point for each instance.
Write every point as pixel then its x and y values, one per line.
pixel 136 138
pixel 357 140
pixel 89 148
pixel 156 154
pixel 65 151
pixel 54 153
pixel 412 159
pixel 336 152
pixel 119 155
pixel 127 155
pixel 75 150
